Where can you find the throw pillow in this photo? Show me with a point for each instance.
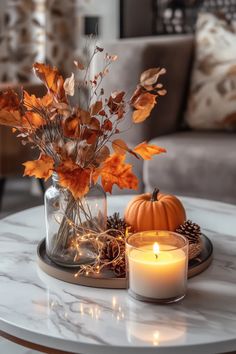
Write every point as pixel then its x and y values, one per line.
pixel 212 100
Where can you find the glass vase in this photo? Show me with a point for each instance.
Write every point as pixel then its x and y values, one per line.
pixel 72 224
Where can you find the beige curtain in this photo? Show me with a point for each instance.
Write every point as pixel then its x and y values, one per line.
pixel 37 30
pixel 23 38
pixel 63 33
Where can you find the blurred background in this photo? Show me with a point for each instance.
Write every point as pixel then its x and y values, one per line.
pixel 144 34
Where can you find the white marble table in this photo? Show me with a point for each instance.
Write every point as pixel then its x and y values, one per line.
pixel 70 318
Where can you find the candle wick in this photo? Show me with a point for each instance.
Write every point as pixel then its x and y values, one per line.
pixel 156 255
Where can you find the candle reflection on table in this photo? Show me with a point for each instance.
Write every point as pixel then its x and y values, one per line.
pixel 155 334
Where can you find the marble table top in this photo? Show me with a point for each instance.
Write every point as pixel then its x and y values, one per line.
pixel 77 319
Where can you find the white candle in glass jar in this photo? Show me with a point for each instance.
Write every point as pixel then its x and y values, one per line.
pixel 157 271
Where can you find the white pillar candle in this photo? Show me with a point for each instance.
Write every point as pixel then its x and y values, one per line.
pixel 157 271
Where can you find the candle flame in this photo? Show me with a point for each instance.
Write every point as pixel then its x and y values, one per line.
pixel 156 337
pixel 156 249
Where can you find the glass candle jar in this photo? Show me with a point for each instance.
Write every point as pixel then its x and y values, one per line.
pixel 157 263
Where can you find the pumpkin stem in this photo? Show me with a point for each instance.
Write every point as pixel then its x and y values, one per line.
pixel 154 195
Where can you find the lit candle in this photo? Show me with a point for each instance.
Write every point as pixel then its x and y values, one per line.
pixel 157 265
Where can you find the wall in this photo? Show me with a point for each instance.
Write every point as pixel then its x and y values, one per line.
pixel 108 11
pixel 137 19
pixel 51 31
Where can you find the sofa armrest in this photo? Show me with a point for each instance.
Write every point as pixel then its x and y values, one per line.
pixel 138 54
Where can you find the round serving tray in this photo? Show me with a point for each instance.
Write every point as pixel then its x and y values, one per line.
pixel 106 279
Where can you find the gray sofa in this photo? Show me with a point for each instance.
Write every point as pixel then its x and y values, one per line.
pixel 198 163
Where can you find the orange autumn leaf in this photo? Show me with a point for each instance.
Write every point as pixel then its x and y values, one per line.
pixel 10 118
pixel 71 127
pixel 143 103
pixel 94 124
pixel 52 79
pixel 149 78
pixel 107 125
pixel 10 113
pixel 32 120
pixel 31 101
pixel 102 155
pixel 90 135
pixel 41 168
pixel 74 177
pixel 144 100
pixel 121 112
pixel 146 151
pixel 138 91
pixel 9 100
pixel 115 101
pixel 96 108
pixel 140 115
pixel 115 171
pixel 118 96
pixel 119 146
pixel 85 116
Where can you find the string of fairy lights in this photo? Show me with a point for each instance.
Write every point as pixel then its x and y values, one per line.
pixel 96 242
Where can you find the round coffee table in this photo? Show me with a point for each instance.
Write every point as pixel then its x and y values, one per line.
pixel 52 316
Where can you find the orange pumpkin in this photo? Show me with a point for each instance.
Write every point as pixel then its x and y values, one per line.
pixel 155 211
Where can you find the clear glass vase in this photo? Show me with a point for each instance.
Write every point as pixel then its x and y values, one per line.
pixel 72 225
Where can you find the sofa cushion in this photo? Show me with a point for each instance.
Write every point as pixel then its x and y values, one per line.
pixel 138 54
pixel 212 101
pixel 199 164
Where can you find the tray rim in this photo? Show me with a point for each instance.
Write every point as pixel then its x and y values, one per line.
pixel 66 274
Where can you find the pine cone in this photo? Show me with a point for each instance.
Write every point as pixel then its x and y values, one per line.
pixel 115 222
pixel 110 250
pixel 191 230
pixel 112 247
pixel 193 233
pixel 119 268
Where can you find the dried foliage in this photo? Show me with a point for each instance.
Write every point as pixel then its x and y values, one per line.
pixel 146 151
pixel 80 143
pixel 41 168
